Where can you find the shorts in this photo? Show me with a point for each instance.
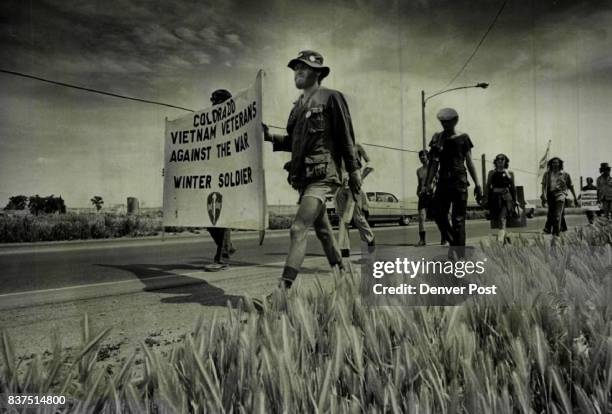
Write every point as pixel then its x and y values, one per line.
pixel 424 201
pixel 319 190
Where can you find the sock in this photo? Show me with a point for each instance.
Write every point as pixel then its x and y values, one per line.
pixel 422 236
pixel 288 277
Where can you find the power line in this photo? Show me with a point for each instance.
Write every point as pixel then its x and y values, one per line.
pixel 482 39
pixel 114 95
pixel 392 148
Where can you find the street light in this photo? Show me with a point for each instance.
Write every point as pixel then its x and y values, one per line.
pixel 424 100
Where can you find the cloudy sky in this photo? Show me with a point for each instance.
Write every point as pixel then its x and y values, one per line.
pixel 548 62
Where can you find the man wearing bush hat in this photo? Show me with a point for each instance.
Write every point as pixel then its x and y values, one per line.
pixel 321 141
pixel 451 158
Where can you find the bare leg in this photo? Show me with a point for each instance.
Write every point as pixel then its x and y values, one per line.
pixel 501 234
pixel 325 234
pixel 422 217
pixel 309 210
pixel 342 204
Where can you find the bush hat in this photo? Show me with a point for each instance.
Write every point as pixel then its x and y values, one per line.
pixel 312 59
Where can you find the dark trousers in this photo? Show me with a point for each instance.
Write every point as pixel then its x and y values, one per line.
pixel 555 219
pixel 453 200
pixel 548 224
pixel 590 216
pixel 222 238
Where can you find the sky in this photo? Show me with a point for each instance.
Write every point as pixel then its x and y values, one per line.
pixel 548 64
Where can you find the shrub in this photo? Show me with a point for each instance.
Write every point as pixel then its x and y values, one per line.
pixel 73 226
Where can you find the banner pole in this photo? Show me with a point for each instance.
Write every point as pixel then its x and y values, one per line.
pixel 163 236
pixel 264 209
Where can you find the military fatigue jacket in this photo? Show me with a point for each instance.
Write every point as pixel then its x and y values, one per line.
pixel 320 139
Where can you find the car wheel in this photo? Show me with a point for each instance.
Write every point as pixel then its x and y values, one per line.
pixel 404 221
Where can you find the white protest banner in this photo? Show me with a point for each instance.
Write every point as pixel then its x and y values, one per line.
pixel 588 200
pixel 213 165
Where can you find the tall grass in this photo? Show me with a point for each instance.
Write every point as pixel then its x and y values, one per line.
pixel 549 350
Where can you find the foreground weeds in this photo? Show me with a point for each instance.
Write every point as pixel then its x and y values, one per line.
pixel 547 349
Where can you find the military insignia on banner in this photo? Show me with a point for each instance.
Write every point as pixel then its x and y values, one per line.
pixel 214 203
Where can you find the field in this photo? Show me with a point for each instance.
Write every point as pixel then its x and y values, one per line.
pixel 324 351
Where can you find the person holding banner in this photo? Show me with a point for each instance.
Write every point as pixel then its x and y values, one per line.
pixel 221 236
pixel 320 138
pixel 349 209
pixel 588 190
pixel 604 189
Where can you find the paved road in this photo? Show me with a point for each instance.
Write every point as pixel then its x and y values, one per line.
pixel 80 264
pixel 111 276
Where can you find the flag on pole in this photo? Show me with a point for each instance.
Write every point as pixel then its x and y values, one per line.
pixel 544 160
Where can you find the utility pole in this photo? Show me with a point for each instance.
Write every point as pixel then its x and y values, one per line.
pixel 423 116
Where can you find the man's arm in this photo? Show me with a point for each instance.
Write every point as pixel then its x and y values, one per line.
pixel 570 185
pixel 487 189
pixel 598 185
pixel 279 142
pixel 543 195
pixel 432 165
pixel 342 130
pixel 512 187
pixel 418 191
pixel 472 170
pixel 362 152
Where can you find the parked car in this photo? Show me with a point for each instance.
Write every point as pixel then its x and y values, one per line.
pixel 381 208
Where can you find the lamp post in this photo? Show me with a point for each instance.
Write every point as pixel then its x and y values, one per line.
pixel 424 100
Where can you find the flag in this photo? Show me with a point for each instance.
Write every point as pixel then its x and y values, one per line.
pixel 544 160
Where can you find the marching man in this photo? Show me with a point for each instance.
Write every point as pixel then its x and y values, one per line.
pixel 320 138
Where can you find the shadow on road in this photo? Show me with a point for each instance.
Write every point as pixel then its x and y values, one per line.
pixel 204 293
pixel 284 254
pixel 191 289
